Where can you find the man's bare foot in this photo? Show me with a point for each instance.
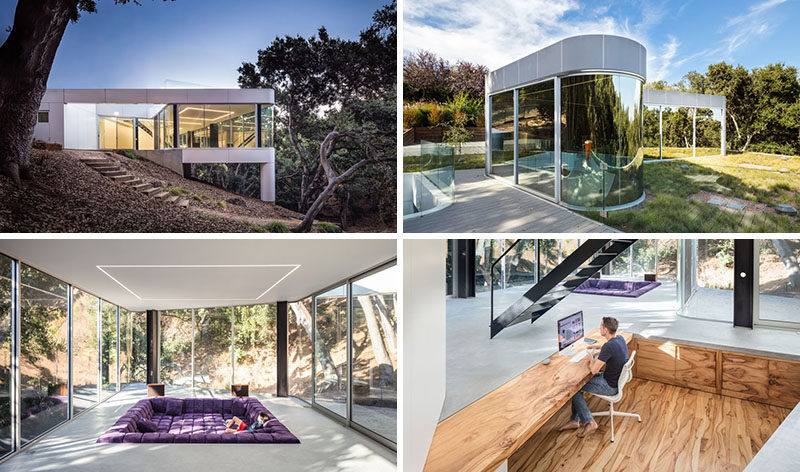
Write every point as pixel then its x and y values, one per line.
pixel 590 428
pixel 574 424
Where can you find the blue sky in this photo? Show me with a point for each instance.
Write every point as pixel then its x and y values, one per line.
pixel 680 35
pixel 195 41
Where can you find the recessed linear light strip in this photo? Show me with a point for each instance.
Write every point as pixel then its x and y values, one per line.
pixel 294 268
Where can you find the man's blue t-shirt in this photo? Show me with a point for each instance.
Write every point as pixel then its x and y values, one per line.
pixel 615 354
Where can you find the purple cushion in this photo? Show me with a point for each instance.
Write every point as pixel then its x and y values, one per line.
pixel 146 426
pixel 174 407
pixel 238 407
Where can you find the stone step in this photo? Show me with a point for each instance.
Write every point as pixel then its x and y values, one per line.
pixel 161 195
pixel 150 191
pixel 141 186
pixel 183 203
pixel 122 178
pixel 172 199
pixel 93 160
pixel 113 173
pixel 134 181
pixel 107 169
pixel 99 162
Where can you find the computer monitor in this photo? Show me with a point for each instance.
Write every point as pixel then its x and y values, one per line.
pixel 570 329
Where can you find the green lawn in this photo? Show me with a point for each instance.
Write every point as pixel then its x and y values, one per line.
pixel 668 186
pixel 672 152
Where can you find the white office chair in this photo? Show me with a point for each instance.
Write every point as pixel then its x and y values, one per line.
pixel 624 377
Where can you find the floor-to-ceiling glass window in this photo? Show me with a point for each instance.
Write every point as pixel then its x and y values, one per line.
pixel 244 125
pixel 125 347
pixel 145 134
pixel 255 347
pixel 374 352
pixel 218 125
pixel 601 140
pixel 191 125
pixel 301 322
pixel 85 363
pixel 107 129
pixel 176 348
pixel 712 297
pixel 330 353
pixel 212 350
pixel 138 353
pixel 651 136
pixel 169 130
pixel 267 126
pixel 125 133
pixel 109 348
pixel 44 365
pixel 6 312
pixel 779 280
pixel 502 135
pixel 668 259
pixel 536 162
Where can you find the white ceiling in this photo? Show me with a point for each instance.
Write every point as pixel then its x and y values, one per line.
pixel 141 274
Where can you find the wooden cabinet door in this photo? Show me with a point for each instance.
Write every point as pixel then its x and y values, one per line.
pixel 745 376
pixel 784 383
pixel 696 367
pixel 655 360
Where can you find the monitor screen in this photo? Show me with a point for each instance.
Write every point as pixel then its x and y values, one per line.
pixel 570 329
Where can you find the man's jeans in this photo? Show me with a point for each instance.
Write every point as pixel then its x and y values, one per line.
pixel 597 384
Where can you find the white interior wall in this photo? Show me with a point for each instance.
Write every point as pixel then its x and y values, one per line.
pixel 128 110
pixel 80 126
pixel 424 328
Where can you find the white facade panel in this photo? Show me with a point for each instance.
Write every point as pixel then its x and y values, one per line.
pixel 549 61
pixel 80 126
pixel 167 96
pixel 57 123
pixel 582 52
pixel 53 95
pixel 621 54
pixel 126 95
pixel 84 95
pixel 251 96
pixel 207 95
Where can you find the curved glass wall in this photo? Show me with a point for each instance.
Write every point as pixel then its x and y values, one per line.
pixel 601 141
pixel 536 161
pixel 502 135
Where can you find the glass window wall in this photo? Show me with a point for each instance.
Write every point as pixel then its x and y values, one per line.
pixel 301 321
pixel 109 348
pixel 44 365
pixel 374 352
pixel 85 359
pixel 212 349
pixel 6 312
pixel 330 383
pixel 779 280
pixel 536 162
pixel 502 135
pixel 267 126
pixel 176 348
pixel 255 347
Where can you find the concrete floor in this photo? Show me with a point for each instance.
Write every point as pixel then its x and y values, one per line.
pixel 325 445
pixel 476 365
pixel 717 304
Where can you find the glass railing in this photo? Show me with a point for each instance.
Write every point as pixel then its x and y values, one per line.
pixel 437 163
pixel 601 181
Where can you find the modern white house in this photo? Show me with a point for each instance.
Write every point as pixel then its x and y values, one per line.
pixel 172 127
pixel 591 156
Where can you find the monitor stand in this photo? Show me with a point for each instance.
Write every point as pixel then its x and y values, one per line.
pixel 569 352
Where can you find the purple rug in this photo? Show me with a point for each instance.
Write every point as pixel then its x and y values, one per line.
pixel 196 420
pixel 615 288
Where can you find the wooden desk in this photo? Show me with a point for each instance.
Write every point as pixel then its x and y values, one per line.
pixel 485 433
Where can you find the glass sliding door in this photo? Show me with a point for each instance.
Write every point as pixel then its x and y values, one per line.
pixel 138 352
pixel 779 281
pixel 109 349
pixel 502 135
pixel 374 352
pixel 85 361
pixel 255 347
pixel 44 365
pixel 330 353
pixel 301 321
pixel 107 129
pixel 176 348
pixel 6 312
pixel 212 350
pixel 536 162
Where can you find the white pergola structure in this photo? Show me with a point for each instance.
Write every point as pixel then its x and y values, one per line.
pixel 672 99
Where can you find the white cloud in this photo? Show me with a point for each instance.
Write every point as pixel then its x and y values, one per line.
pixel 746 27
pixel 660 65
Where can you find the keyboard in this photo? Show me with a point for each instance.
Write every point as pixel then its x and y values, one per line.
pixel 578 357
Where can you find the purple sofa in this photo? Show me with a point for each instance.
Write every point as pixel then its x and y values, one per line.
pixel 615 288
pixel 201 420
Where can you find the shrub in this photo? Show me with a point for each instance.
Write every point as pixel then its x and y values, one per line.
pixel 436 115
pixel 179 191
pixel 222 205
pixel 415 115
pixel 256 228
pixel 277 227
pixel 325 227
pixel 131 155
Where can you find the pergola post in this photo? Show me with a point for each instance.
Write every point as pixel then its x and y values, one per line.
pixel 694 131
pixel 660 132
pixel 723 140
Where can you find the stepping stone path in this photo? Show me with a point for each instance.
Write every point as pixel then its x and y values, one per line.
pixel 786 209
pixel 115 172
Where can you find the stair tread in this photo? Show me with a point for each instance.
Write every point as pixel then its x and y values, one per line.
pixel 161 194
pixel 183 203
pixel 172 199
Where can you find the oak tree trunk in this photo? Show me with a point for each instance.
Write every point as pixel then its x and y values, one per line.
pixel 25 61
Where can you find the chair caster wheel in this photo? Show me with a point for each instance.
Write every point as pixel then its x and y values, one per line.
pixel 612 440
pixel 640 421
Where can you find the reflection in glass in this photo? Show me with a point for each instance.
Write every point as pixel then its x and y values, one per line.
pixel 267 126
pixel 212 349
pixel 243 120
pixel 779 280
pixel 536 162
pixel 176 348
pixel 124 133
pixel 715 264
pixel 667 259
pixel 502 135
pixel 255 346
pixel 300 325
pixel 44 366
pixel 330 384
pixel 107 128
pixel 145 134
pixel 85 362
pixel 109 349
pixel 374 362
pixel 601 141
pixel 6 286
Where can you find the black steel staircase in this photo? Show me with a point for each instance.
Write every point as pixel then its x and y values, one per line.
pixel 583 263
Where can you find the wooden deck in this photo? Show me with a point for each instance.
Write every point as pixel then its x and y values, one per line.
pixel 485 205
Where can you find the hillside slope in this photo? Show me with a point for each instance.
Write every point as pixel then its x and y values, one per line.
pixel 66 195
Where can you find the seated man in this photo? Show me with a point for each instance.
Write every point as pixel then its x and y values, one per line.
pixel 613 356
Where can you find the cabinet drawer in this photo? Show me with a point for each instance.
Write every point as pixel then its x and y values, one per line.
pixel 655 360
pixel 784 383
pixel 696 368
pixel 745 376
